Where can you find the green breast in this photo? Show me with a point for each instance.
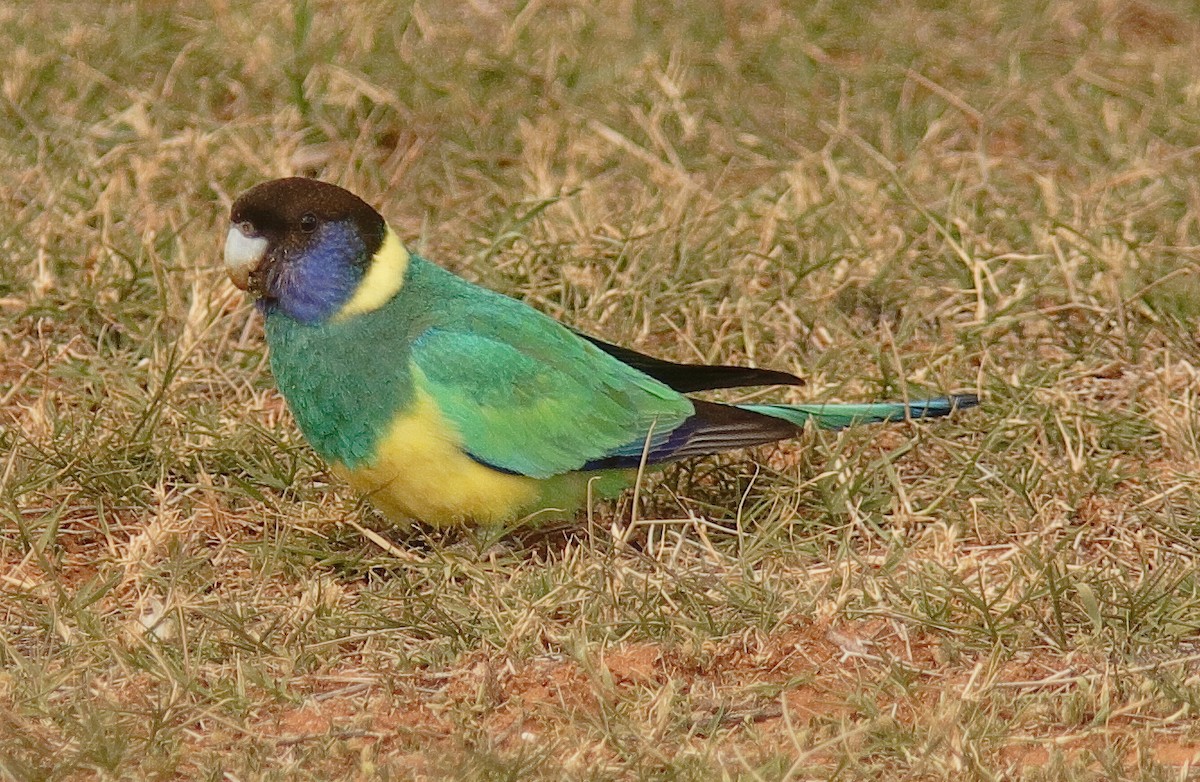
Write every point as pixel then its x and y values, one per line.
pixel 345 382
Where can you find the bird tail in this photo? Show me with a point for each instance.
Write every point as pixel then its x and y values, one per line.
pixel 840 416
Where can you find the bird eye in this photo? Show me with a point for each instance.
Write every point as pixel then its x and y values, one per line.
pixel 308 223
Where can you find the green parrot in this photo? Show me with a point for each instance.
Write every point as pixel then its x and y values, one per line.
pixel 449 403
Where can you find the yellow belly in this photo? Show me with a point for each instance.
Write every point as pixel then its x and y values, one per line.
pixel 421 472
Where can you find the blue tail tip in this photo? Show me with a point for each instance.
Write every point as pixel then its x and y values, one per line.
pixel 963 401
pixel 944 405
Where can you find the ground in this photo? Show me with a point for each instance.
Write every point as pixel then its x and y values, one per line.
pixel 890 199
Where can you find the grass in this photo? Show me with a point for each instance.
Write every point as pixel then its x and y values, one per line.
pixel 889 199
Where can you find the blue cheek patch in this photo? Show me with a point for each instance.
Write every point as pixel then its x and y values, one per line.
pixel 313 286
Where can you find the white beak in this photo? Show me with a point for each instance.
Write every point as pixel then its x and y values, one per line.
pixel 243 254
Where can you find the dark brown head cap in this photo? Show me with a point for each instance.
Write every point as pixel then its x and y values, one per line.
pixel 284 208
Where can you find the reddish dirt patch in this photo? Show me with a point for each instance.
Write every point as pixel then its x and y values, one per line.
pixel 313 718
pixel 1146 23
pixel 1165 750
pixel 1172 752
pixel 637 664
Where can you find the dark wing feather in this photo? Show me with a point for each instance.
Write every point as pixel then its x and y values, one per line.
pixel 713 428
pixel 686 378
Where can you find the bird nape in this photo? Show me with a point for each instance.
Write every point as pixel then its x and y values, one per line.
pixel 449 403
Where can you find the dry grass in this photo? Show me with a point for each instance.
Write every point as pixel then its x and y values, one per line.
pixel 889 199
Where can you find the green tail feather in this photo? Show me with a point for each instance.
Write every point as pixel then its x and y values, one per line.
pixel 839 416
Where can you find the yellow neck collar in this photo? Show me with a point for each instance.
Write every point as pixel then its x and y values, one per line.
pixel 384 278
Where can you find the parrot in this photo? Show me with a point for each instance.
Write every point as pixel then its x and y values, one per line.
pixel 447 403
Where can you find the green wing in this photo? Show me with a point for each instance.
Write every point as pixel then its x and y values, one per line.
pixel 530 397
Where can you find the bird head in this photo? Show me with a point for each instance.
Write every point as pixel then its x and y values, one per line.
pixel 306 248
